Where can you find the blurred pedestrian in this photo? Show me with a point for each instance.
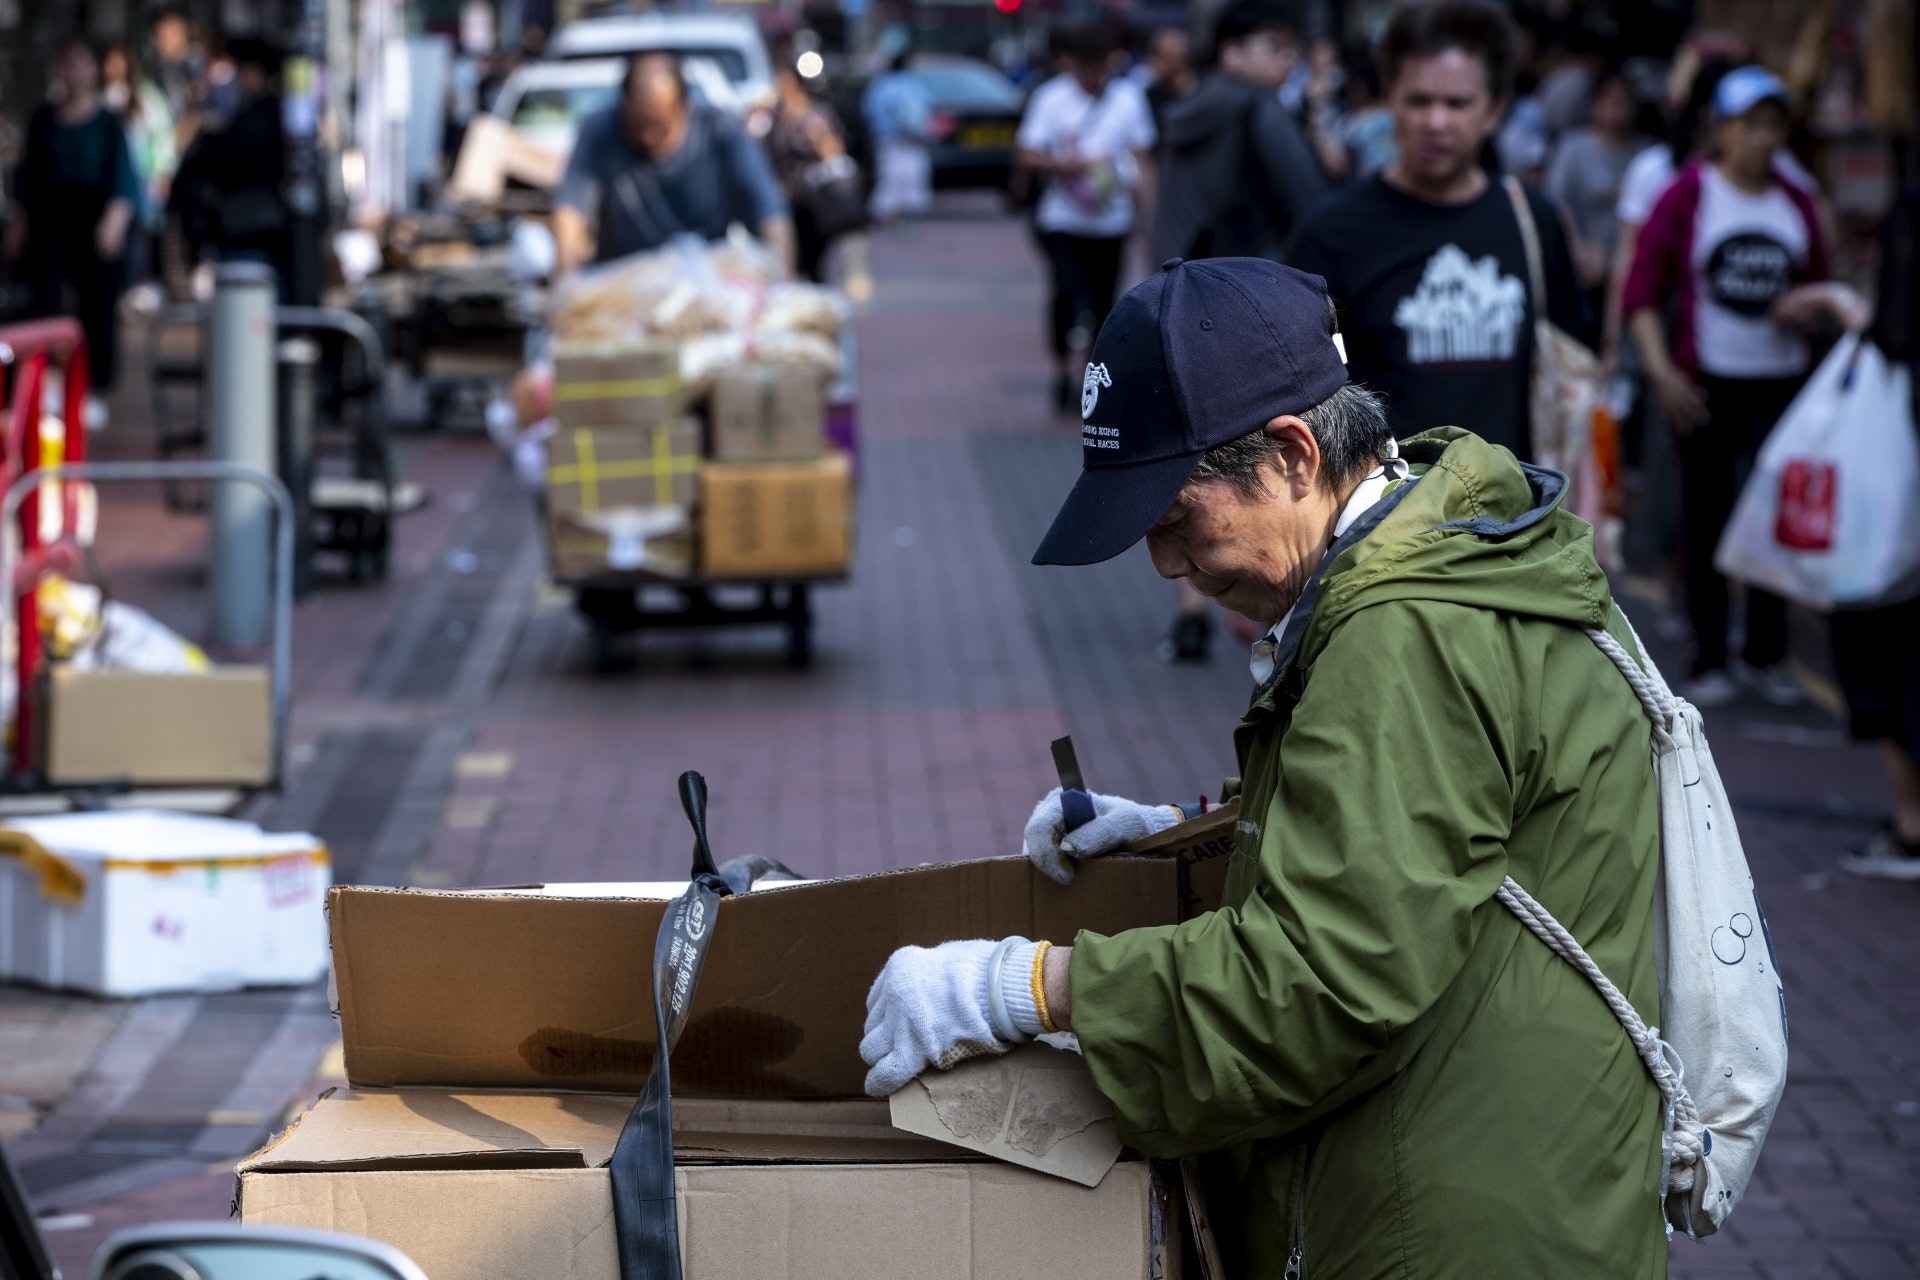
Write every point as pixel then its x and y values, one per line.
pixel 898 112
pixel 1170 72
pixel 1587 168
pixel 1876 652
pixel 1728 243
pixel 1085 135
pixel 175 62
pixel 809 152
pixel 656 165
pixel 230 196
pixel 1426 260
pixel 1236 172
pixel 78 189
pixel 1365 125
pixel 148 120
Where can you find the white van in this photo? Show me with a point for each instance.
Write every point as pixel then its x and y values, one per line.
pixel 723 58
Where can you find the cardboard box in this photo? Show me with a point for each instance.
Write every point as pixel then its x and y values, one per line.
pixel 767 413
pixel 463 1014
pixel 134 903
pixel 596 469
pixel 637 385
pixel 490 1186
pixel 212 728
pixel 648 541
pixel 518 990
pixel 776 519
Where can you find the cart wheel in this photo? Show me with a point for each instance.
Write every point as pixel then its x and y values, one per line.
pixel 609 654
pixel 799 628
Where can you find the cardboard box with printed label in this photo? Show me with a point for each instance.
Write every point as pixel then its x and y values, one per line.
pixel 636 385
pixel 776 519
pixel 767 413
pixel 595 469
pixel 494 1042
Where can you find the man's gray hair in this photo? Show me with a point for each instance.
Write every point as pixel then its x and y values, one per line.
pixel 1350 427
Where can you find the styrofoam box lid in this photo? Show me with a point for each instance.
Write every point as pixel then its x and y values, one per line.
pixel 152 835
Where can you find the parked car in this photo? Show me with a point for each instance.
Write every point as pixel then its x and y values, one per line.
pixel 976 112
pixel 545 101
pixel 731 43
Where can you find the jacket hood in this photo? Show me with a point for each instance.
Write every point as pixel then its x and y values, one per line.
pixel 1215 105
pixel 1475 527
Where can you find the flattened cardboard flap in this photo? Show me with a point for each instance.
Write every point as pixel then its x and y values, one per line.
pixel 1034 1106
pixel 478 990
pixel 400 1130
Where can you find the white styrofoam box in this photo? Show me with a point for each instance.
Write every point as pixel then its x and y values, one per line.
pixel 168 902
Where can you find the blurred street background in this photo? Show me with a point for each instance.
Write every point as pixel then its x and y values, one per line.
pixel 459 716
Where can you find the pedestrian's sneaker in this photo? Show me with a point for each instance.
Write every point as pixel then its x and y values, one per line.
pixel 94 414
pixel 1191 639
pixel 1710 689
pixel 1774 684
pixel 1884 856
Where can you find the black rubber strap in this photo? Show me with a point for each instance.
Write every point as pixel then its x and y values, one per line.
pixel 642 1166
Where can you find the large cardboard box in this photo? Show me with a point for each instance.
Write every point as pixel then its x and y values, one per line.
pixel 630 385
pixel 767 413
pixel 593 469
pixel 211 728
pixel 776 519
pixel 467 1017
pixel 646 541
pixel 135 903
pixel 499 1185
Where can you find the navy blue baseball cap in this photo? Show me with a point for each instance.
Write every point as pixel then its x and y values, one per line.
pixel 1197 354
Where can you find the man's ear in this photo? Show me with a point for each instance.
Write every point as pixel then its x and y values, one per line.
pixel 1299 460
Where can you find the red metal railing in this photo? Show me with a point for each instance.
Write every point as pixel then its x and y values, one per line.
pixel 33 348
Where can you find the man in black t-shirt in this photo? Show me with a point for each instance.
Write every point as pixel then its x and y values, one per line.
pixel 1425 261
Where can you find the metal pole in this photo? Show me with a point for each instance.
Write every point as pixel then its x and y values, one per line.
pixel 299 357
pixel 240 411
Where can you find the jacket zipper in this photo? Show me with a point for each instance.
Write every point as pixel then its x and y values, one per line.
pixel 1297 1253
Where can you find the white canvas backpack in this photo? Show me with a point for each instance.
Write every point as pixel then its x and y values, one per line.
pixel 1721 1060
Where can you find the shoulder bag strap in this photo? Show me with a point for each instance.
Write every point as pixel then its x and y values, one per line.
pixel 1530 238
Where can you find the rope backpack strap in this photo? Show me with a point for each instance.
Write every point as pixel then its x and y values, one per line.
pixel 1641 674
pixel 1682 1142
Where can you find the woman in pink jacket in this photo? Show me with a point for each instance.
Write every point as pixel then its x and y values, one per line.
pixel 1735 250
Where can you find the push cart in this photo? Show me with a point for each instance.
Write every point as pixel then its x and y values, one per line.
pixel 617 605
pixel 350 494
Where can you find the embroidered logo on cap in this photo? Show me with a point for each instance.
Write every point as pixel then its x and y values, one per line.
pixel 1090 389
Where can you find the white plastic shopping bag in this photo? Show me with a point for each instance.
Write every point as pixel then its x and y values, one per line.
pixel 1831 515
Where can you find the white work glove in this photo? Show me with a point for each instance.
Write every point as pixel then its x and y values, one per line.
pixel 1052 848
pixel 933 1007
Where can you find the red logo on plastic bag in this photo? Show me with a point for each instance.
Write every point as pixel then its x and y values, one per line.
pixel 1807 511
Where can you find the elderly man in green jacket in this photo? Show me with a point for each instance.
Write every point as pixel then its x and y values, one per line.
pixel 1387 1075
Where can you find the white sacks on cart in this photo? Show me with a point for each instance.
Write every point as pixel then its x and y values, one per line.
pixel 1830 517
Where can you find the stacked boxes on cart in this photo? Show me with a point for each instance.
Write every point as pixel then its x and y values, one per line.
pixel 646 477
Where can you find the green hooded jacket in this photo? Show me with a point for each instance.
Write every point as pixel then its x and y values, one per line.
pixel 1387 1073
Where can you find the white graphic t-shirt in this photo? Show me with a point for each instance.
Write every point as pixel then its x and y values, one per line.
pixel 1747 251
pixel 1067 122
pixel 1464 310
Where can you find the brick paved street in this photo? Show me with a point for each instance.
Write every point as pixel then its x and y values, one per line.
pixel 449 731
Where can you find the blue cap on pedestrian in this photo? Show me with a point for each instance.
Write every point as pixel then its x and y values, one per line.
pixel 1197 354
pixel 1744 88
